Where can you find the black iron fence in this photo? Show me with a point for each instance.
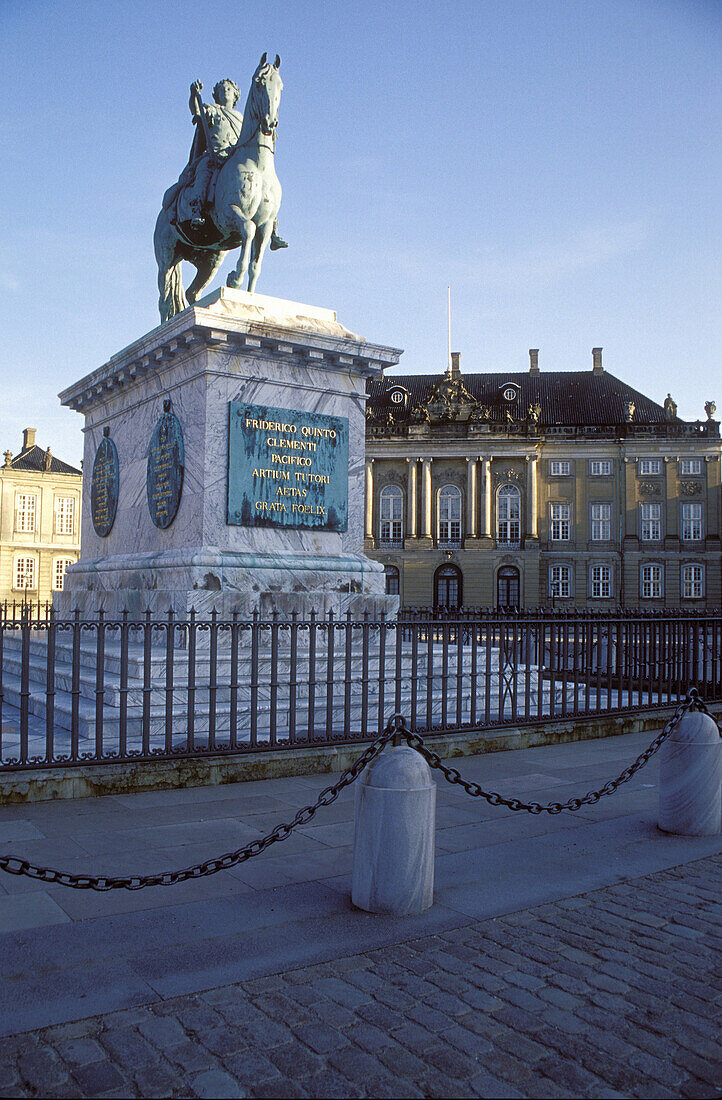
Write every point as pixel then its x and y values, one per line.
pixel 119 689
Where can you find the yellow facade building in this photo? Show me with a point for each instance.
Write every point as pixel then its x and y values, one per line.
pixel 561 488
pixel 40 498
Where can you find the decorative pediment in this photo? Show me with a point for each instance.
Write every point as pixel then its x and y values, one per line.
pixel 448 400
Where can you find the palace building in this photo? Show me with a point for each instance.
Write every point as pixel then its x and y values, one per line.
pixel 554 488
pixel 39 522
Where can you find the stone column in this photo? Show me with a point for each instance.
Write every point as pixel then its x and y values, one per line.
pixel 532 503
pixel 369 511
pixel 426 498
pixel 486 510
pixel 411 499
pixel 471 497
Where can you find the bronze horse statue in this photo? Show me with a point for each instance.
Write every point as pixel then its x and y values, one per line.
pixel 243 210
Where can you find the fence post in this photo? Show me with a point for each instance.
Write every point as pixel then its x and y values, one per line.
pixel 690 777
pixel 394 834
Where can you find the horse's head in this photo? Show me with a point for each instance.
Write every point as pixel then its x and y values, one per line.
pixel 266 91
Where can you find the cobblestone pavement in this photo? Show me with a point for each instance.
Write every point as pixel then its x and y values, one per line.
pixel 617 992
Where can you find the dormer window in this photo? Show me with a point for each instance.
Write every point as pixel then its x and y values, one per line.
pixel 510 391
pixel 398 397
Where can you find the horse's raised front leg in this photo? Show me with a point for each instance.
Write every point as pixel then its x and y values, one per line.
pixel 170 281
pixel 206 263
pixel 247 230
pixel 260 241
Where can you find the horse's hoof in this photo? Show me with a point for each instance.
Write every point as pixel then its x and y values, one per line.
pixel 233 282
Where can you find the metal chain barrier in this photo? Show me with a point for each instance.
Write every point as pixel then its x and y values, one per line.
pixel 396 730
pixel 16 866
pixel 691 702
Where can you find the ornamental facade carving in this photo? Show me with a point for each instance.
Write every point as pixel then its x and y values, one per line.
pixel 508 474
pixel 690 488
pixel 649 489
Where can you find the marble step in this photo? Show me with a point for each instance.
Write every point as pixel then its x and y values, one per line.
pixel 37 706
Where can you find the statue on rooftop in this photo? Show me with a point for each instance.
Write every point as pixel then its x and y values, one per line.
pixel 670 407
pixel 228 194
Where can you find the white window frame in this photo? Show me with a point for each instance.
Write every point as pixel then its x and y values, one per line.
pixel 59 567
pixel 692 580
pixel 650 467
pixel 391 516
pixel 560 581
pixel 651 580
pixel 560 467
pixel 650 521
pixel 25 565
pixel 448 515
pixel 26 513
pixel 560 521
pixel 64 515
pixel 600 581
pixel 600 525
pixel 691 518
pixel 604 467
pixel 508 515
pixel 690 466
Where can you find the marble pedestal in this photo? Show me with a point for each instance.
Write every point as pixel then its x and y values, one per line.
pixel 229 347
pixel 394 835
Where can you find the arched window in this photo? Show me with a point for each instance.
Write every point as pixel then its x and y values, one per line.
pixel 391 513
pixel 507 587
pixel 449 516
pixel 392 580
pixel 447 586
pixel 508 515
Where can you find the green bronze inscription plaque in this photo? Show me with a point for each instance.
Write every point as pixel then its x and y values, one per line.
pixel 287 468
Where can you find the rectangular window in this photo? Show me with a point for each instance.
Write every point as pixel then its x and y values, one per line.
pixel 690 465
pixel 25 574
pixel 649 466
pixel 601 522
pixel 691 522
pixel 64 515
pixel 560 582
pixel 600 467
pixel 560 522
pixel 652 581
pixel 59 567
pixel 601 582
pixel 558 468
pixel 651 522
pixel 25 511
pixel 692 581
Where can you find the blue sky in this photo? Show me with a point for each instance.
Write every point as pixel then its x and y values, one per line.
pixel 558 163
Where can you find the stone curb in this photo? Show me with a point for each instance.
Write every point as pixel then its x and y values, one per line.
pixel 87 780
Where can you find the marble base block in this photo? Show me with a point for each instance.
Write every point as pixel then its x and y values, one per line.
pixel 394 835
pixel 231 349
pixel 690 778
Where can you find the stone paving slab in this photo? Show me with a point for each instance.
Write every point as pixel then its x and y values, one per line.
pixel 290 906
pixel 613 993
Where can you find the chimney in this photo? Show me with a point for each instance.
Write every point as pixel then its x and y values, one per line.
pixel 29 438
pixel 455 371
pixel 533 360
pixel 597 367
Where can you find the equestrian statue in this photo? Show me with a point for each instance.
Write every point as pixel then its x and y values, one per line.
pixel 228 194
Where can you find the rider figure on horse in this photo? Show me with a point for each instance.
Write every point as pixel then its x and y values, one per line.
pixel 218 130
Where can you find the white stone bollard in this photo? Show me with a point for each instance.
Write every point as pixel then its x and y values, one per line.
pixel 394 835
pixel 690 777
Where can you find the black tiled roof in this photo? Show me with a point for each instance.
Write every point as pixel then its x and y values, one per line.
pixel 34 459
pixel 565 397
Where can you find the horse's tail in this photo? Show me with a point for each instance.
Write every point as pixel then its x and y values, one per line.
pixel 172 298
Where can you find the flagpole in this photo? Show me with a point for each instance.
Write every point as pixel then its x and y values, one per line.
pixel 448 328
